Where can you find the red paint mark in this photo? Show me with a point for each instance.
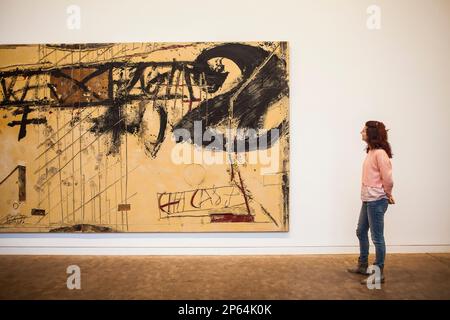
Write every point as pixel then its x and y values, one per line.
pixel 168 204
pixel 190 102
pixel 229 217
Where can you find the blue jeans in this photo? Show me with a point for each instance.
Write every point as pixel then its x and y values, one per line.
pixel 372 217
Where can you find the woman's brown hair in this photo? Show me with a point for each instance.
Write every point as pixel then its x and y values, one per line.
pixel 377 137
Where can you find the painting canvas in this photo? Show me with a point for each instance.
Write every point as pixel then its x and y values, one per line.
pixel 144 137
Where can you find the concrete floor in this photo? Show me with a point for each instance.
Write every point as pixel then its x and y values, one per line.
pixel 408 276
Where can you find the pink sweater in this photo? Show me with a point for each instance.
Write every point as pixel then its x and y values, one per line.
pixel 377 170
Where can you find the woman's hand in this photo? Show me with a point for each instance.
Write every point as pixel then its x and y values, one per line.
pixel 391 199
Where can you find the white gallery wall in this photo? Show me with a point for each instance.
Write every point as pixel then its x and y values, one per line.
pixel 341 74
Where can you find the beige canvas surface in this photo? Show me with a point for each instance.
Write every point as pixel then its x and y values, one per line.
pixel 89 137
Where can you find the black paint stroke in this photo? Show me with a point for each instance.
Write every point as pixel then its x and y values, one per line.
pixel 268 87
pixel 285 192
pixel 118 93
pixel 25 121
pixel 21 181
pixel 77 47
pixel 83 228
pixel 250 107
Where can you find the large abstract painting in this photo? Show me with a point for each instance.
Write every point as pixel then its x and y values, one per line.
pixel 144 137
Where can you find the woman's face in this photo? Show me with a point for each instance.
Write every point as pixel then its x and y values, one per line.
pixel 364 133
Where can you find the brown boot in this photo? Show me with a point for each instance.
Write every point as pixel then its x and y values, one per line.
pixel 361 268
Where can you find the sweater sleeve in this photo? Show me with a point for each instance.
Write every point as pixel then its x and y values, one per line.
pixel 385 167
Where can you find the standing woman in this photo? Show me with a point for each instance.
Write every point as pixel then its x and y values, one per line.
pixel 376 194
